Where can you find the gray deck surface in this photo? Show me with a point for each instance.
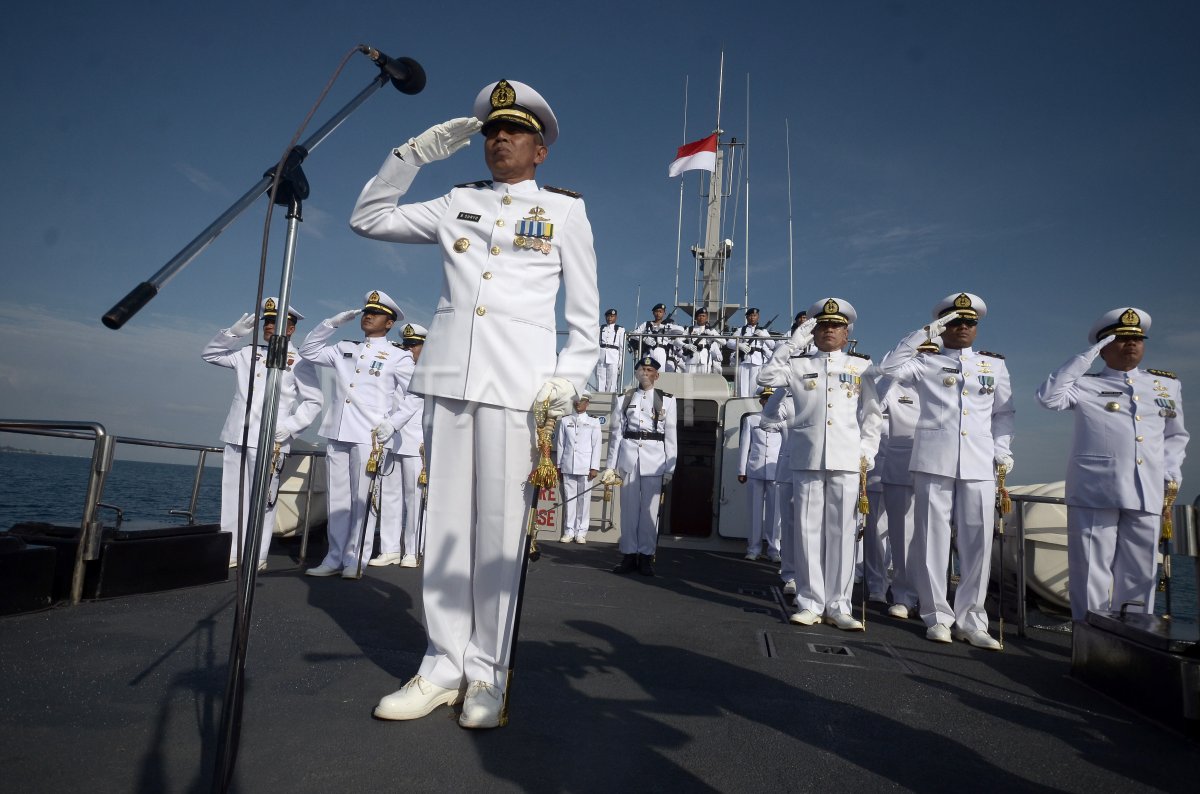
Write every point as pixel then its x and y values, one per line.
pixel 690 681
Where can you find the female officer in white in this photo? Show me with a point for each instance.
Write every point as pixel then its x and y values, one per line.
pixel 1129 442
pixel 507 247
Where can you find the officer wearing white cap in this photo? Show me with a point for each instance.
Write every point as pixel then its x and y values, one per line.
pixel 577 440
pixel 834 433
pixel 299 404
pixel 400 493
pixel 964 433
pixel 1128 448
pixel 653 337
pixel 642 450
pixel 508 246
pixel 370 378
pixel 752 345
pixel 698 348
pixel 758 453
pixel 612 353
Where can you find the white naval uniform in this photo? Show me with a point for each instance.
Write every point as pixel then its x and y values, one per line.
pixel 901 409
pixel 577 439
pixel 299 404
pixel 749 364
pixel 654 340
pixel 612 354
pixel 965 423
pixel 777 413
pixel 1129 441
pixel 642 462
pixel 400 495
pixel 758 454
pixel 874 548
pixel 699 353
pixel 370 378
pixel 491 346
pixel 836 422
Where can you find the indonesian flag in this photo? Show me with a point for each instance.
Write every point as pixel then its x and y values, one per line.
pixel 696 156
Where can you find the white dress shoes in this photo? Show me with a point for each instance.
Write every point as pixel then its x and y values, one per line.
pixel 351 572
pixel 938 633
pixel 844 622
pixel 978 638
pixel 323 570
pixel 805 617
pixel 387 558
pixel 898 611
pixel 567 537
pixel 416 699
pixel 581 538
pixel 481 709
pixel 409 561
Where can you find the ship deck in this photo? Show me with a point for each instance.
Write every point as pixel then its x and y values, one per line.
pixel 692 680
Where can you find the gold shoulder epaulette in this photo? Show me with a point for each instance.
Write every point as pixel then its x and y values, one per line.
pixel 856 354
pixel 993 355
pixel 1166 373
pixel 563 191
pixel 479 184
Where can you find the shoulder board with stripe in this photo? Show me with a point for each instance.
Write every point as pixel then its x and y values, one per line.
pixel 563 191
pixel 1166 373
pixel 1091 374
pixel 667 394
pixel 480 184
pixel 992 355
pixel 856 354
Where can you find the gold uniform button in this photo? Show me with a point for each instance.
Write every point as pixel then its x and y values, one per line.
pixel 1139 461
pixel 487 274
pixel 1135 398
pixel 1141 438
pixel 506 200
pixel 830 422
pixel 481 311
pixel 964 432
pixel 347 402
pixel 357 371
pixel 964 392
pixel 495 250
pixel 499 221
pixel 461 244
pixel 829 405
pixel 1137 418
pixel 964 412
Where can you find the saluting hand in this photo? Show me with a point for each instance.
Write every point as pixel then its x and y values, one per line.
pixel 242 327
pixel 803 334
pixel 343 318
pixel 939 325
pixel 1095 349
pixel 440 141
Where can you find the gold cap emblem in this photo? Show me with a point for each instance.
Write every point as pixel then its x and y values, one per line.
pixel 503 95
pixel 373 297
pixel 1130 317
pixel 831 306
pixel 408 330
pixel 963 301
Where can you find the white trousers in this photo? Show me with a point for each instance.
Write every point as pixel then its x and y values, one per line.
pixel 1111 559
pixel 747 378
pixel 971 506
pixel 231 464
pixel 401 505
pixel 478 459
pixel 640 495
pixel 578 508
pixel 764 517
pixel 823 534
pixel 347 493
pixel 876 554
pixel 606 376
pixel 787 518
pixel 898 502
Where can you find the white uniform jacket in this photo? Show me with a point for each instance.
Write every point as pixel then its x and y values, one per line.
pixel 577 438
pixel 299 392
pixel 901 409
pixel 632 442
pixel 505 248
pixel 370 383
pixel 612 343
pixel 760 342
pixel 966 416
pixel 698 351
pixel 1129 434
pixel 653 335
pixel 407 414
pixel 758 448
pixel 836 417
pixel 777 415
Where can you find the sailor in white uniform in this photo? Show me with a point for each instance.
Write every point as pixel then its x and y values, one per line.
pixel 699 348
pixel 508 246
pixel 642 451
pixel 964 432
pixel 833 435
pixel 369 376
pixel 777 415
pixel 400 472
pixel 577 440
pixel 612 353
pixel 1128 449
pixel 758 454
pixel 874 548
pixel 299 404
pixel 654 337
pixel 753 346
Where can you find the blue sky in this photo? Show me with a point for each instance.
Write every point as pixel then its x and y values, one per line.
pixel 1041 154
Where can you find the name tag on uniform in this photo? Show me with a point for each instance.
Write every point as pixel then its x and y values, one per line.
pixel 1111 393
pixel 810 375
pixel 950 369
pixel 347 355
pixel 468 216
pixel 906 400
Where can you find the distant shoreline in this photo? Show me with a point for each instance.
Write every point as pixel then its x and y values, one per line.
pixel 5 448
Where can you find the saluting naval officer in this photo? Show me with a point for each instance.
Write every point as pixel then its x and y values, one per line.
pixel 400 494
pixel 1128 449
pixel 642 450
pixel 834 434
pixel 370 376
pixel 653 337
pixel 964 432
pixel 508 246
pixel 577 439
pixel 299 404
pixel 753 345
pixel 612 353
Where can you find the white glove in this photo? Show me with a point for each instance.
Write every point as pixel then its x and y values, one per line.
pixel 383 431
pixel 690 348
pixel 869 461
pixel 744 348
pixel 560 394
pixel 610 477
pixel 803 334
pixel 936 327
pixel 282 434
pixel 343 318
pixel 1094 350
pixel 441 140
pixel 1006 461
pixel 242 327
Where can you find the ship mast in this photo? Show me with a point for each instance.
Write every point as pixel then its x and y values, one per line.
pixel 715 252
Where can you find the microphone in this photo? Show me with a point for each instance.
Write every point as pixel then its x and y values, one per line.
pixel 407 75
